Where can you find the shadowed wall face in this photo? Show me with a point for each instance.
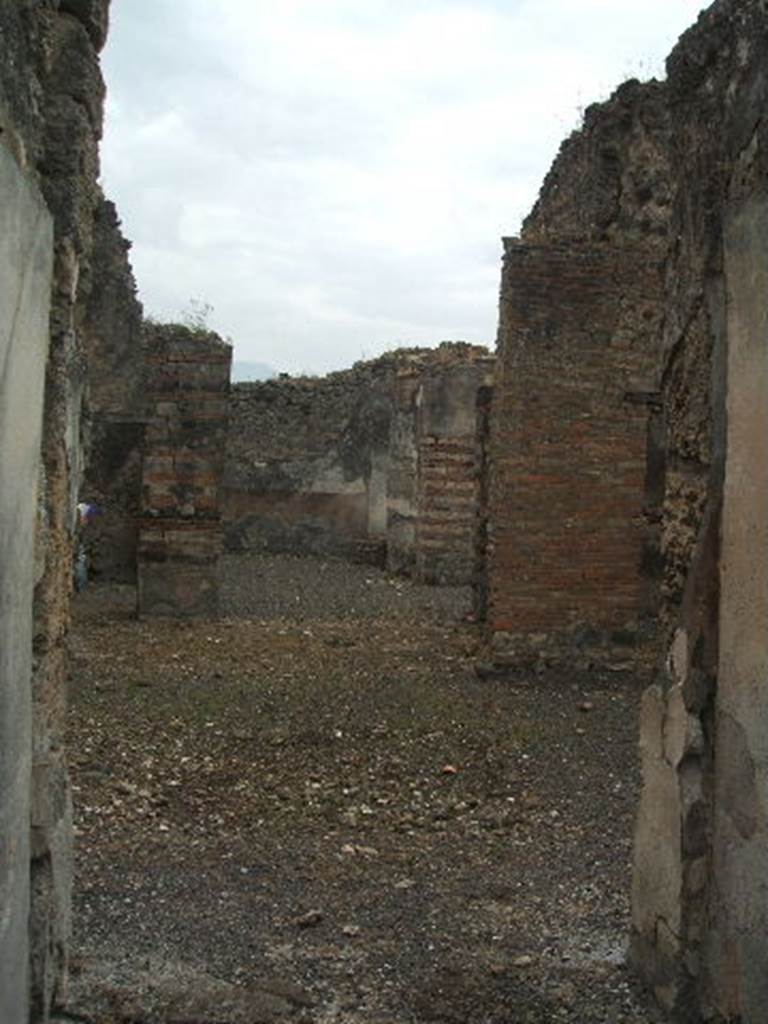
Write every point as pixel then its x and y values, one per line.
pixel 739 912
pixel 26 258
pixel 303 469
pixel 700 911
pixel 116 395
pixel 51 105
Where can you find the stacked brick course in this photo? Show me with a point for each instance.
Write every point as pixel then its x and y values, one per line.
pixel 180 529
pixel 572 527
pixel 569 445
pixel 448 468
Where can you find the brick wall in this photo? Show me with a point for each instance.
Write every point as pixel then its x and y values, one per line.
pixel 180 528
pixel 448 470
pixel 573 531
pixel 569 438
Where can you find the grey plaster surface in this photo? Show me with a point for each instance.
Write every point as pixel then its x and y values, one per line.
pixel 26 254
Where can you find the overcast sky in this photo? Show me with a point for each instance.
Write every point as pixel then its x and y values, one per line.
pixel 334 176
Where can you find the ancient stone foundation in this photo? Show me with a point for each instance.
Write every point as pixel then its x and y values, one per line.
pixel 180 530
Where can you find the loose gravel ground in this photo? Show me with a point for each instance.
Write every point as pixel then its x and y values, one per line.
pixel 313 809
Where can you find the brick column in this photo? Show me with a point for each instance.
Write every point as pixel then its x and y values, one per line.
pixel 180 529
pixel 578 360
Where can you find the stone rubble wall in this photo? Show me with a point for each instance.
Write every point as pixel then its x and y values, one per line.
pixel 629 478
pixel 51 104
pixel 300 456
pixel 402 490
pixel 183 464
pixel 701 854
pixel 352 464
pixel 115 412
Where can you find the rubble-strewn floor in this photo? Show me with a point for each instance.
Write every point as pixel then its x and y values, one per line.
pixel 313 809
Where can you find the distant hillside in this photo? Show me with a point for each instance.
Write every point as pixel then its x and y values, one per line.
pixel 244 371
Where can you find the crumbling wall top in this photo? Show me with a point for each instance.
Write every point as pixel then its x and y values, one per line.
pixel 611 178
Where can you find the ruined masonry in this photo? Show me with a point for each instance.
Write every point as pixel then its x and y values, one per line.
pixel 573 540
pixel 700 901
pixel 180 527
pixel 378 463
pixel 610 500
pixel 51 100
pixel 628 490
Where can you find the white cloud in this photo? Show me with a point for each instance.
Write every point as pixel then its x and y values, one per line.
pixel 333 176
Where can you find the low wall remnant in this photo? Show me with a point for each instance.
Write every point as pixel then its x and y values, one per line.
pixel 374 463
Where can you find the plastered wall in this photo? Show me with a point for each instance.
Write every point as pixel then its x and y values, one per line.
pixel 26 266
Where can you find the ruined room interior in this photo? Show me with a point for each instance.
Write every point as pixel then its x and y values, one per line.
pixel 432 689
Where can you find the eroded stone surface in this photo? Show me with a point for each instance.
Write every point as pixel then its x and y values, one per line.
pixel 26 268
pixel 379 462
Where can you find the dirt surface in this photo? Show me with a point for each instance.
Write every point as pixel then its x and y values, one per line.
pixel 314 809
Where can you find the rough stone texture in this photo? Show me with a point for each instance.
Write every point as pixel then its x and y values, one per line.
pixel 645 260
pixel 403 473
pixel 26 267
pixel 180 530
pixel 72 109
pixel 377 459
pixel 51 96
pixel 572 536
pixel 701 918
pixel 302 458
pixel 115 403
